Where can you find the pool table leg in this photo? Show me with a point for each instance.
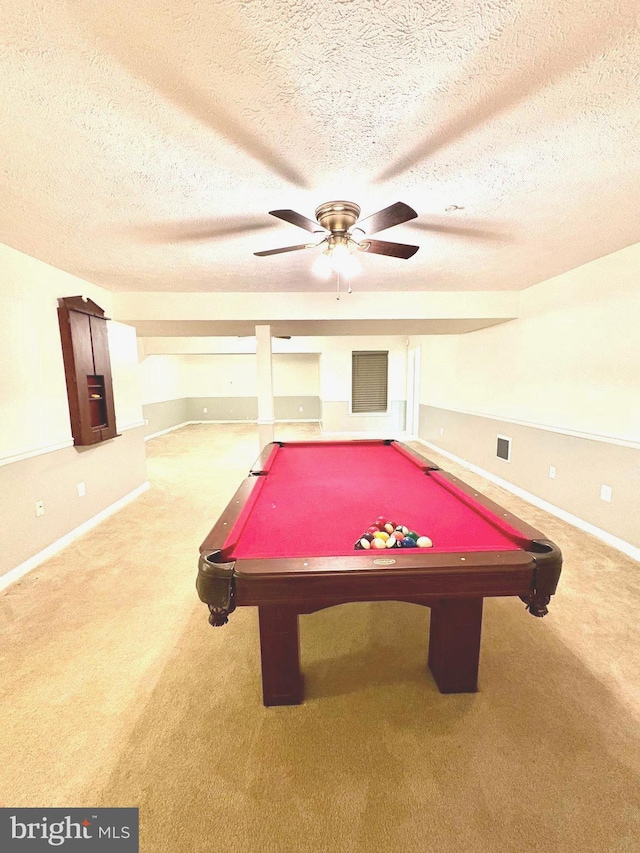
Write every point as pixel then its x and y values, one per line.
pixel 454 644
pixel 280 651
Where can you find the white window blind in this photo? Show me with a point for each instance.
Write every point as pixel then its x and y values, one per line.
pixel 369 372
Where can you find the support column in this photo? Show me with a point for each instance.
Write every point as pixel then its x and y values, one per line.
pixel 265 386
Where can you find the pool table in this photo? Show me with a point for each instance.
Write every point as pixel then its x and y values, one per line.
pixel 286 544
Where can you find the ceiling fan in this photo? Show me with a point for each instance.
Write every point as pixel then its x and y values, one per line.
pixel 338 220
pixel 195 230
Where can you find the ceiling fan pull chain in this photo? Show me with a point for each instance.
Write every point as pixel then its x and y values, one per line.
pixel 338 291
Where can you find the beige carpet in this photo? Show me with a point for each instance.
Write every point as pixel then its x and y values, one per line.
pixel 115 691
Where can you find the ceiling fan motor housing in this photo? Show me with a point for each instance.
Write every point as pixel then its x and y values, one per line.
pixel 338 215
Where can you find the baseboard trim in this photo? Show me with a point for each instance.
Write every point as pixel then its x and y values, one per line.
pixel 168 429
pixel 133 425
pixel 213 421
pixel 615 542
pixel 35 451
pixel 30 452
pixel 246 421
pixel 20 571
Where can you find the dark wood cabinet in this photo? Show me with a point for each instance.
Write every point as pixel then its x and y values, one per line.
pixel 87 368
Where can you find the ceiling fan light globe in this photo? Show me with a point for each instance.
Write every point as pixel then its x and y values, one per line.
pixel 339 256
pixel 350 266
pixel 322 266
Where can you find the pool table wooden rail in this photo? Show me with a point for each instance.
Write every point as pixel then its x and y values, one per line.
pixel 453 584
pixel 265 459
pixel 531 574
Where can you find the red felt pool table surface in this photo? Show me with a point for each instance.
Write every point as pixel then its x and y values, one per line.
pixel 318 498
pixel 285 543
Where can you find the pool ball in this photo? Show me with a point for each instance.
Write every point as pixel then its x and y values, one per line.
pixel 368 536
pixel 424 542
pixel 415 536
pixel 391 541
pixel 381 520
pixel 408 542
pixel 389 527
pixel 378 543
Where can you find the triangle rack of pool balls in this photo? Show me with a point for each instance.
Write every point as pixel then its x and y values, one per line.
pixel 384 533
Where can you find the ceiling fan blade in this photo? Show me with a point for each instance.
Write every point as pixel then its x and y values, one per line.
pixel 297 219
pixel 285 249
pixel 395 214
pixel 394 250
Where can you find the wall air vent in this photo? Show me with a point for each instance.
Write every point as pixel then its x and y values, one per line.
pixel 503 448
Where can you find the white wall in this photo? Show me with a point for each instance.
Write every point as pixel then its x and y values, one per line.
pixel 335 365
pixel 271 307
pixel 34 410
pixel 171 377
pixel 202 345
pixel 571 361
pixel 219 375
pixel 160 378
pixel 335 384
pixel 296 375
pixel 304 366
pixel 125 371
pixel 37 459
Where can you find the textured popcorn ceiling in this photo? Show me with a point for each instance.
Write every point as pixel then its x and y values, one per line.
pixel 142 143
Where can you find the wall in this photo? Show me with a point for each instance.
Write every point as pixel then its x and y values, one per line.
pixel 296 386
pixel 153 309
pixel 311 376
pixel 125 374
pixel 160 378
pixel 163 402
pixel 37 459
pixel 563 381
pixel 335 381
pixel 222 386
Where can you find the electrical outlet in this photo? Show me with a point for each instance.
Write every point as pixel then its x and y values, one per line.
pixel 82 491
pixel 39 508
pixel 205 410
pixel 605 493
pixel 552 472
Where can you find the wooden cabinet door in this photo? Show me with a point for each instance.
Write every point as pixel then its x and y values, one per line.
pixel 87 365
